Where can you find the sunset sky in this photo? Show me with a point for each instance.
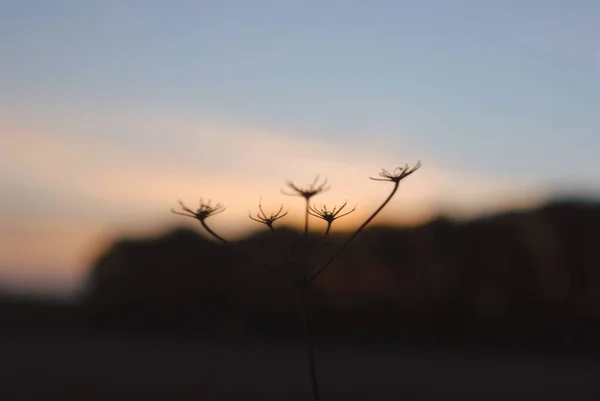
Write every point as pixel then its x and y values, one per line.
pixel 111 111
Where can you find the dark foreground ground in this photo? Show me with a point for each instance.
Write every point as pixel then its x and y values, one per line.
pixel 109 367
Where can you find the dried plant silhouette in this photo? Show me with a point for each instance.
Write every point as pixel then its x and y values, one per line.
pixel 307 273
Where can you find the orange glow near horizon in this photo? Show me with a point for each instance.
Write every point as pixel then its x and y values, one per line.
pixel 101 190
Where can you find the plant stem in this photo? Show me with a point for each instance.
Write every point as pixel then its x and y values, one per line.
pixel 327 230
pixel 306 210
pixel 242 252
pixel 363 225
pixel 305 311
pixel 306 245
pixel 323 244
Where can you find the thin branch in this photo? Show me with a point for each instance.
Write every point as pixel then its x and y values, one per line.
pixel 363 225
pixel 306 257
pixel 327 230
pixel 217 236
pixel 243 252
pixel 325 237
pixel 183 214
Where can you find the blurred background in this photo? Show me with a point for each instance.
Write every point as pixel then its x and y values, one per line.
pixel 112 111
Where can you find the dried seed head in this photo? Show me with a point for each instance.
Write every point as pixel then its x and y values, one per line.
pixel 261 217
pixel 329 215
pixel 398 174
pixel 204 210
pixel 307 193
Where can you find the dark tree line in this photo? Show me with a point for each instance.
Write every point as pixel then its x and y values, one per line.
pixel 528 278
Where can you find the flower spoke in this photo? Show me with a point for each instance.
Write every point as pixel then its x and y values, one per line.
pixel 262 217
pixel 329 215
pixel 308 192
pixel 399 173
pixel 204 211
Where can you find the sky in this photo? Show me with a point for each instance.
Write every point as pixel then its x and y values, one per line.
pixel 111 111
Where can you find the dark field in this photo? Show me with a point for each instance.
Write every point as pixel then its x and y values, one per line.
pixel 108 367
pixel 506 307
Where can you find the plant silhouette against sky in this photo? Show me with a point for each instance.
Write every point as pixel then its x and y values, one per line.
pixel 308 276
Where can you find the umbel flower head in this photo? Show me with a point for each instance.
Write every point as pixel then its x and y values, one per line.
pixel 204 211
pixel 262 217
pixel 329 215
pixel 307 193
pixel 398 174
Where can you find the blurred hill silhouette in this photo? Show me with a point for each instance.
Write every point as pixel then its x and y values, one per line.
pixel 528 279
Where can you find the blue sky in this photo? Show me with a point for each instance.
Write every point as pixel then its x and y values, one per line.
pixel 111 110
pixel 480 82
